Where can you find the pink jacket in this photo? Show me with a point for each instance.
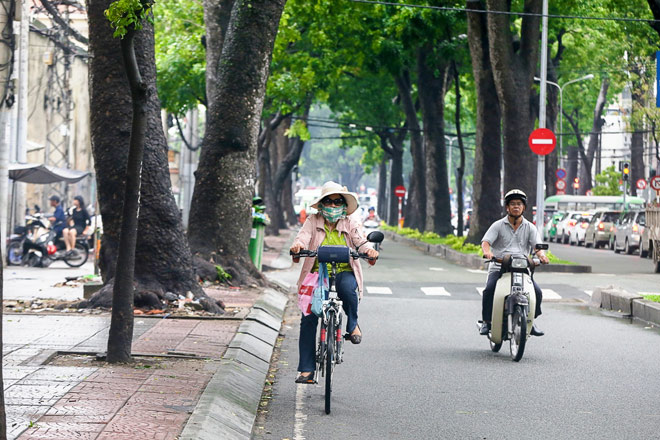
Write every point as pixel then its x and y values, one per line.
pixel 312 234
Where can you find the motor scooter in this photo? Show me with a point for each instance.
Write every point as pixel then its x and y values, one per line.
pixel 514 303
pixel 42 246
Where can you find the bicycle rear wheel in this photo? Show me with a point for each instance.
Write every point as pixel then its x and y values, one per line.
pixel 329 358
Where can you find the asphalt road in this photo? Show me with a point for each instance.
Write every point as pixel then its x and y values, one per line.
pixel 604 260
pixel 422 371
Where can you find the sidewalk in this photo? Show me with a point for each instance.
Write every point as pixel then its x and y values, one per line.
pixel 193 378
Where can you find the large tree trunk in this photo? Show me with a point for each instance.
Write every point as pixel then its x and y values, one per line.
pixel 163 260
pixel 216 20
pixel 220 216
pixel 432 86
pixel 382 187
pixel 415 211
pixel 460 170
pixel 637 125
pixel 487 157
pixel 586 182
pixel 392 144
pixel 513 71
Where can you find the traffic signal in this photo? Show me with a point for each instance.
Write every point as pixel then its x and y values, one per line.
pixel 576 183
pixel 625 171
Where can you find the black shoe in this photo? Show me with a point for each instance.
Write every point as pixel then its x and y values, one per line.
pixel 536 332
pixel 485 328
pixel 305 379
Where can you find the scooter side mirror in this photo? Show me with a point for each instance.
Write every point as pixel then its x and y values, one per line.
pixel 541 246
pixel 375 237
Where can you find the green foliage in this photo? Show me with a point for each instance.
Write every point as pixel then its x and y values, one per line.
pixel 556 260
pixel 654 298
pixel 222 274
pixel 180 55
pixel 607 183
pixel 125 14
pixel 298 130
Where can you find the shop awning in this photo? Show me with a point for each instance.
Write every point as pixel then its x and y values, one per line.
pixel 39 173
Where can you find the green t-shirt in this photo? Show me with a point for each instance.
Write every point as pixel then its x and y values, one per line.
pixel 333 238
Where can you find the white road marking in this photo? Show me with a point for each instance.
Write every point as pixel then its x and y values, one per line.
pixel 300 417
pixel 605 274
pixel 435 291
pixel 550 294
pixel 476 271
pixel 480 290
pixel 589 292
pixel 438 269
pixel 379 290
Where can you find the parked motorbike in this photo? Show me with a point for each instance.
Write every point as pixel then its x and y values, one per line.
pixel 41 248
pixel 371 226
pixel 514 303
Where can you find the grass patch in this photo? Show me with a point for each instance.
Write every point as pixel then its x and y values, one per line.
pixel 654 298
pixel 454 242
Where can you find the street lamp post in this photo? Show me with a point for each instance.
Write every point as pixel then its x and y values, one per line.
pixel 451 140
pixel 561 106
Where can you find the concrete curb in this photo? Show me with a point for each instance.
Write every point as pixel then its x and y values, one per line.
pixel 228 406
pixel 473 261
pixel 627 304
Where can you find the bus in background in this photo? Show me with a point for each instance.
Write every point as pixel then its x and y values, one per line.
pixel 588 203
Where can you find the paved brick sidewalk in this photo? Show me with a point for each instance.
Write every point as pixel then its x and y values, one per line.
pixel 76 397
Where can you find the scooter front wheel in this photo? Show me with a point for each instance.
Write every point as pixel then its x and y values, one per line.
pixel 519 337
pixel 495 347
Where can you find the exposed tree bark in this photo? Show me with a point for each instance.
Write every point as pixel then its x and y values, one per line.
pixel 586 182
pixel 382 186
pixel 655 10
pixel 392 144
pixel 216 20
pixel 513 70
pixel 575 153
pixel 552 111
pixel 637 124
pixel 220 216
pixel 163 260
pixel 415 210
pixel 432 86
pixel 265 184
pixel 486 192
pixel 120 338
pixel 460 171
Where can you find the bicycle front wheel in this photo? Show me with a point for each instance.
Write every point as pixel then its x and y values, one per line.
pixel 329 358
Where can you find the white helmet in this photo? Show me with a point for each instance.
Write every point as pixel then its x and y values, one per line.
pixel 515 194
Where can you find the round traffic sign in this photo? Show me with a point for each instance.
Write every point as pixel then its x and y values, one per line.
pixel 655 183
pixel 589 193
pixel 560 173
pixel 641 184
pixel 560 184
pixel 400 191
pixel 542 141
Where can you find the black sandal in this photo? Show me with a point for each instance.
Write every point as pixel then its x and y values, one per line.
pixel 356 339
pixel 305 379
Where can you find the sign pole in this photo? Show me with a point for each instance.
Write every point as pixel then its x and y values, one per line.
pixel 540 169
pixel 400 205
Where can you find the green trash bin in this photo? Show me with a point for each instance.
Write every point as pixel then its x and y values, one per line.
pixel 259 222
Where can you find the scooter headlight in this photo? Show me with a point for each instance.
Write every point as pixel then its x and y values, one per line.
pixel 519 263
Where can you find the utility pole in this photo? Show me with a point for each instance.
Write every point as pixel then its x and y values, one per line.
pixel 6 89
pixel 540 169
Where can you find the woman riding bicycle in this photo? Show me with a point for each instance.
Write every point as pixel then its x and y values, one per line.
pixel 331 226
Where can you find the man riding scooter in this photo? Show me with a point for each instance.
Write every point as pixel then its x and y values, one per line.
pixel 512 234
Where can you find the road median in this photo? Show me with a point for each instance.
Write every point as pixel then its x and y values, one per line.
pixel 628 304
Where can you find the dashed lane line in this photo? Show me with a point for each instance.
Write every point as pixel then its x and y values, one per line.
pixel 379 290
pixel 437 269
pixel 476 271
pixel 550 294
pixel 480 290
pixel 435 291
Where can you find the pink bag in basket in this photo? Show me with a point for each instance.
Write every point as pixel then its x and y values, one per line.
pixel 305 293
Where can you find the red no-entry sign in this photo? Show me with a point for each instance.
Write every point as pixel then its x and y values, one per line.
pixel 641 184
pixel 400 191
pixel 542 141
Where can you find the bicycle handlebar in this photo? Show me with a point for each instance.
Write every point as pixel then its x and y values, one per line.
pixel 354 254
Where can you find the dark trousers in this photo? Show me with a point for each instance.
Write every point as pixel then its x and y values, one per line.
pixel 347 291
pixel 489 294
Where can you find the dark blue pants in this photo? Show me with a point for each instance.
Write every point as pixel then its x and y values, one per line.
pixel 489 295
pixel 348 294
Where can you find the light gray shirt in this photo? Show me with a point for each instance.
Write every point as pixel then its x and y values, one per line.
pixel 504 240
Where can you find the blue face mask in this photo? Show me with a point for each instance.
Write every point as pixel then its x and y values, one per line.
pixel 333 213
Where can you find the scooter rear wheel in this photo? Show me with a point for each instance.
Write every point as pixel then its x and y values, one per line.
pixel 519 337
pixel 14 253
pixel 78 256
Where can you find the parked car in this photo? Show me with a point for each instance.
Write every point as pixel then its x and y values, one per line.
pixel 627 231
pixel 578 231
pixel 600 229
pixel 565 224
pixel 550 228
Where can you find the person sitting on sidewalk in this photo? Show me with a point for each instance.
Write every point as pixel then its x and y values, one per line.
pixel 331 226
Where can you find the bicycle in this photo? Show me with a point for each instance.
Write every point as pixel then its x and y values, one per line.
pixel 330 341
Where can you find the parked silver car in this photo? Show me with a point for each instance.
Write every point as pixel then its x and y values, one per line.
pixel 628 231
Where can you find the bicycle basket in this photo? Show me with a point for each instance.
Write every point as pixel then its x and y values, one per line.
pixel 333 254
